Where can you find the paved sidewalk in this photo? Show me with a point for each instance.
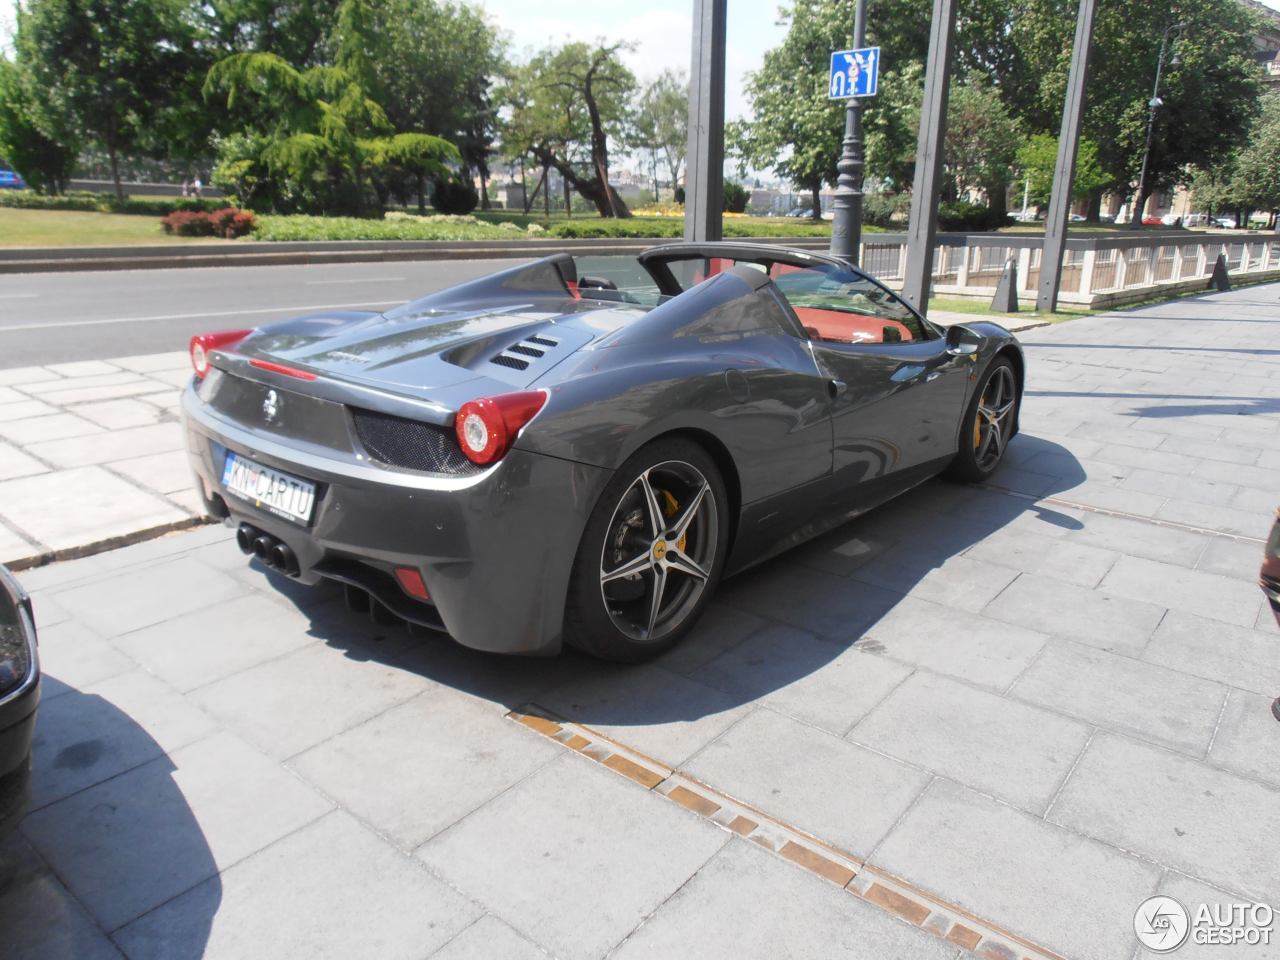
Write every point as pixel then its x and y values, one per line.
pixel 91 455
pixel 1035 704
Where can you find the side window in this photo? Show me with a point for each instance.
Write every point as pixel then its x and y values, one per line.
pixel 837 305
pixel 615 278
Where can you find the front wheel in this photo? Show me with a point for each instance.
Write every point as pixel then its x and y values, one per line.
pixel 651 555
pixel 988 424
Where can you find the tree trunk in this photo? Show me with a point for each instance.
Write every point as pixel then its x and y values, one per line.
pixel 422 195
pixel 115 170
pixel 546 194
pixel 609 203
pixel 1139 209
pixel 603 199
pixel 529 198
pixel 998 201
pixel 816 193
pixel 1095 206
pixel 568 199
pixel 484 186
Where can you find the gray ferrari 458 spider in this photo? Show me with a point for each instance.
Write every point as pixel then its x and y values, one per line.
pixel 577 450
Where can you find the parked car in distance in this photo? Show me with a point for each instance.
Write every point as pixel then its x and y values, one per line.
pixel 19 695
pixel 1195 220
pixel 11 180
pixel 1228 223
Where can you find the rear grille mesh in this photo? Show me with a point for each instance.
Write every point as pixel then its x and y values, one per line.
pixel 411 444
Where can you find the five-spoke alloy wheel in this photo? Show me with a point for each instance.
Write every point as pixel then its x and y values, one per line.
pixel 655 545
pixel 989 423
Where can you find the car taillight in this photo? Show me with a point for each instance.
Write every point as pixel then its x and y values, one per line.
pixel 203 343
pixel 486 427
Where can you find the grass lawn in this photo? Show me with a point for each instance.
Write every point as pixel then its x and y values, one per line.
pixel 73 228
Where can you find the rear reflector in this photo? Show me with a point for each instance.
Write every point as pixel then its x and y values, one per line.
pixel 281 369
pixel 411 582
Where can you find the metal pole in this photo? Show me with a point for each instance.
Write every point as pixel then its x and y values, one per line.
pixel 923 227
pixel 846 226
pixel 1064 173
pixel 1154 104
pixel 704 177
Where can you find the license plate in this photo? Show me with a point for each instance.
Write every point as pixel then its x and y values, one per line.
pixel 268 489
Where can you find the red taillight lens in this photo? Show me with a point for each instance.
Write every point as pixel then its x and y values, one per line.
pixel 486 427
pixel 203 343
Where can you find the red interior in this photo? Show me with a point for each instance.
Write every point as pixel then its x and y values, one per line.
pixel 839 327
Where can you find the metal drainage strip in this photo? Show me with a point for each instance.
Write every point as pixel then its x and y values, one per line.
pixel 1123 514
pixel 942 919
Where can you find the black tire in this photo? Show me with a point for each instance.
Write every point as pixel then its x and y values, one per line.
pixel 605 619
pixel 976 460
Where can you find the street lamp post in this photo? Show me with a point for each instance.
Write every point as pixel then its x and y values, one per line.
pixel 846 223
pixel 1171 35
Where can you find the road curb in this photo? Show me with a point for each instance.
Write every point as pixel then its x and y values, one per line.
pixel 288 253
pixel 109 543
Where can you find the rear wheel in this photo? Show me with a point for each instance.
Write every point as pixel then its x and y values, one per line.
pixel 988 424
pixel 651 555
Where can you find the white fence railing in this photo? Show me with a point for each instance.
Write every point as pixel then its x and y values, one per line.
pixel 1096 271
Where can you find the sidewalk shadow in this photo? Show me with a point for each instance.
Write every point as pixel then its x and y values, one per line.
pixel 800 611
pixel 109 836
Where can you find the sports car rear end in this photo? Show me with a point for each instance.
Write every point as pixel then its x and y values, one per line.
pixel 330 444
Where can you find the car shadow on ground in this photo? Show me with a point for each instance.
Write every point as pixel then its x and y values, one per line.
pixel 774 625
pixel 109 836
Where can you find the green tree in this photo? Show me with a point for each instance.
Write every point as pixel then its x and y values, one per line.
pixel 44 161
pixel 325 138
pixel 981 142
pixel 435 63
pixel 119 70
pixel 1249 179
pixel 566 105
pixel 661 124
pixel 1038 158
pixel 1209 99
pixel 795 130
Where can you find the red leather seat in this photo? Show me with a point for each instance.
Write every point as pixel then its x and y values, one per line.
pixel 835 326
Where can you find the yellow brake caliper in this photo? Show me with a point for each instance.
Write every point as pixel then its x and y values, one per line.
pixel 670 506
pixel 977 430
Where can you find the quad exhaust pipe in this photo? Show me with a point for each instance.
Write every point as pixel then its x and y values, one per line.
pixel 275 553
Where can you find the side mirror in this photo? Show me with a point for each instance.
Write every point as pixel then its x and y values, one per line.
pixel 961 341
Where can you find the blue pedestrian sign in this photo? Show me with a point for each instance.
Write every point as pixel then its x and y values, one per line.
pixel 854 73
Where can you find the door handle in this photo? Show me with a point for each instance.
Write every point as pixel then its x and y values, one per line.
pixel 933 375
pixel 837 387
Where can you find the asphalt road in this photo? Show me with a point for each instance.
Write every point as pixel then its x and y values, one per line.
pixel 58 317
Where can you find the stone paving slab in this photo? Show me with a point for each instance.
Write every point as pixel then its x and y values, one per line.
pixel 1053 708
pixel 99 463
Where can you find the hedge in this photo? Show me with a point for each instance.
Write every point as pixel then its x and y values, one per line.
pixel 107 203
pixel 404 227
pixel 227 222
